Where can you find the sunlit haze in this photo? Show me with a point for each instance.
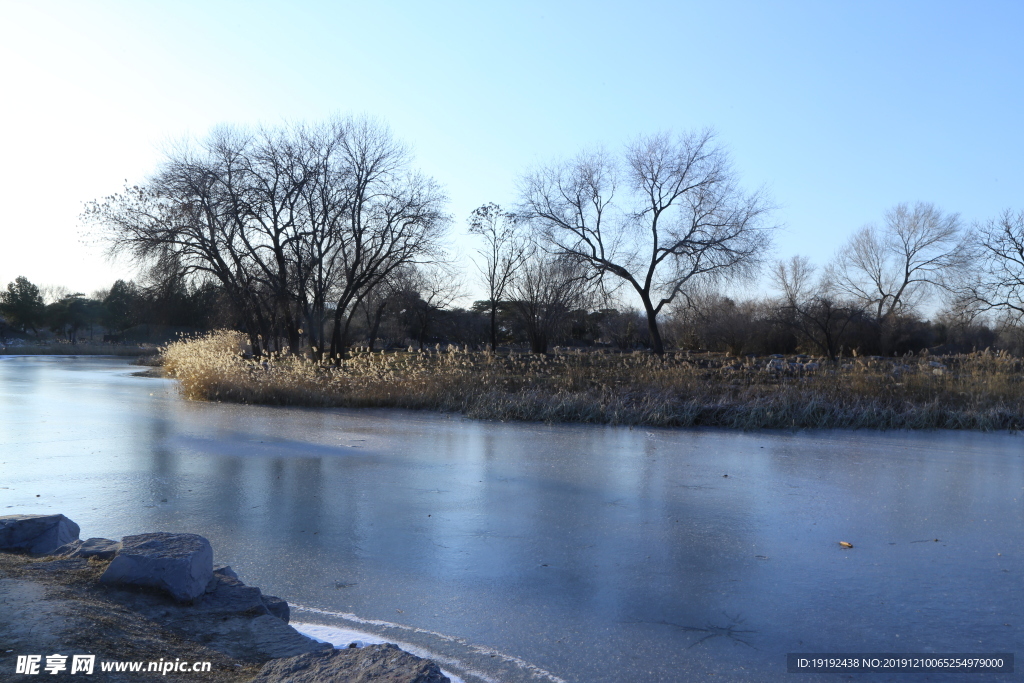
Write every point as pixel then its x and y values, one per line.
pixel 840 109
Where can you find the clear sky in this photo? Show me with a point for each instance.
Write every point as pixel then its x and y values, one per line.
pixel 841 109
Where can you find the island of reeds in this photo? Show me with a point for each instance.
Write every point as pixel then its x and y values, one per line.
pixel 979 391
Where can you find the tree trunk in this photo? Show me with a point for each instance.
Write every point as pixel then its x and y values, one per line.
pixel 421 335
pixel 538 344
pixel 294 338
pixel 652 328
pixel 375 326
pixel 336 335
pixel 494 326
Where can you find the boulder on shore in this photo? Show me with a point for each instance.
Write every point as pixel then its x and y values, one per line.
pixel 37 534
pixel 179 564
pixel 372 664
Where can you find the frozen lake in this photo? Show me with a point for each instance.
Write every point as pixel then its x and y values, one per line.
pixel 527 552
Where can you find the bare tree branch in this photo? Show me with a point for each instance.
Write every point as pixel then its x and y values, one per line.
pixel 505 250
pixel 682 217
pixel 891 270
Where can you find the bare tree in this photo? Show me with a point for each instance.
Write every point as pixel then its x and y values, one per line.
pixel 997 283
pixel 505 250
pixel 288 221
pixel 435 287
pixel 812 307
pixel 682 219
pixel 890 270
pixel 184 221
pixel 393 217
pixel 544 290
pixel 394 289
pixel 722 323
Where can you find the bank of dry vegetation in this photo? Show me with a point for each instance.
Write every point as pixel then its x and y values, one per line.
pixel 980 390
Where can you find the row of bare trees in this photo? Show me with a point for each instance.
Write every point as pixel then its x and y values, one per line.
pixel 760 326
pixel 871 297
pixel 886 275
pixel 307 228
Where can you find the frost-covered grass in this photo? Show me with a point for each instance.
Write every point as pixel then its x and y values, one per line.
pixel 981 390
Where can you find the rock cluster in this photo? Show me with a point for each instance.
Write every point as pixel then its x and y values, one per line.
pixel 210 603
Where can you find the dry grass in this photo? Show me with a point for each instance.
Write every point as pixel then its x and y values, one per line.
pixel 981 391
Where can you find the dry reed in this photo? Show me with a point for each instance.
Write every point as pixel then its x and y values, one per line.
pixel 981 391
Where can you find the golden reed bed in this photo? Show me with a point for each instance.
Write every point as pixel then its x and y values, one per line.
pixel 981 391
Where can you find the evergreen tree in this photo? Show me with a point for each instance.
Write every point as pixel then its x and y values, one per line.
pixel 22 305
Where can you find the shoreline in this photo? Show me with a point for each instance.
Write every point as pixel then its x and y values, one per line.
pixel 78 350
pixel 153 604
pixel 978 392
pixel 750 394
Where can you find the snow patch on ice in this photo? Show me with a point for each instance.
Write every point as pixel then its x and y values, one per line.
pixel 533 670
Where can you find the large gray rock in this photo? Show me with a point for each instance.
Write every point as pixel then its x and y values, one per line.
pixel 102 548
pixel 39 534
pixel 372 664
pixel 180 564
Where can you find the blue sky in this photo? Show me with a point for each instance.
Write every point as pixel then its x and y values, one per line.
pixel 840 109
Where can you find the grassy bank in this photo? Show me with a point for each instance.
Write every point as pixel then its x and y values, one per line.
pixel 980 391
